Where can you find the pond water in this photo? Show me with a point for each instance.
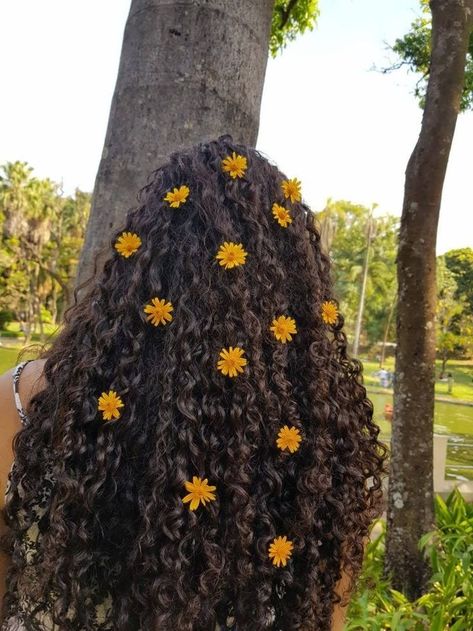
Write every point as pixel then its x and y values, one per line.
pixel 454 420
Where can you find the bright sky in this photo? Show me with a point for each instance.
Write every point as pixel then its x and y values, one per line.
pixel 327 118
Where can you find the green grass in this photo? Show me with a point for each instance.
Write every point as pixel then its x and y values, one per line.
pixel 9 355
pixel 8 358
pixel 12 342
pixel 462 372
pixel 13 330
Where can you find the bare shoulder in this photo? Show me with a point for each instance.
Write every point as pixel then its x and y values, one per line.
pixel 31 381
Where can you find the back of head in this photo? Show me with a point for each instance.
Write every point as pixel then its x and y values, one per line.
pixel 211 448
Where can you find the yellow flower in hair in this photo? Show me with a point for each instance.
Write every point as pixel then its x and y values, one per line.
pixel 288 438
pixel 109 404
pixel 232 361
pixel 280 550
pixel 177 196
pixel 231 255
pixel 283 328
pixel 127 244
pixel 235 165
pixel 159 311
pixel 329 312
pixel 292 189
pixel 282 215
pixel 200 491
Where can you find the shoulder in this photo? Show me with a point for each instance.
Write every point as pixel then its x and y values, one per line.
pixel 29 383
pixel 31 380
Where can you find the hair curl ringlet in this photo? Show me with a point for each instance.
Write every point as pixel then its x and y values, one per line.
pixel 115 528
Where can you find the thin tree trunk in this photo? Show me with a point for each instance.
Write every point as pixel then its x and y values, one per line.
pixel 54 296
pixel 444 365
pixel 410 510
pixel 189 71
pixel 386 334
pixel 327 231
pixel 361 306
pixel 40 320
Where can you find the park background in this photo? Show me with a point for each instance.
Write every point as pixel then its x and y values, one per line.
pixel 329 116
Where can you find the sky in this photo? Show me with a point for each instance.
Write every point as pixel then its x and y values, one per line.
pixel 327 116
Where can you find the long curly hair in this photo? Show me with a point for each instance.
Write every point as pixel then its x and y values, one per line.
pixel 115 525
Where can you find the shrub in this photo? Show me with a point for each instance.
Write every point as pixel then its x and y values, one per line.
pixel 448 603
pixel 5 318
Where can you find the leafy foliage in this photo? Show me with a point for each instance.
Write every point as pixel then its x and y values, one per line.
pixel 344 228
pixel 448 602
pixel 454 320
pixel 460 263
pixel 291 18
pixel 414 50
pixel 40 239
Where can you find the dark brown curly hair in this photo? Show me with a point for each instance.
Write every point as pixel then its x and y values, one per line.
pixel 115 522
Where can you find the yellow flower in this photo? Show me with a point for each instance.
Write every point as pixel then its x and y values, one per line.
pixel 200 491
pixel 232 361
pixel 280 550
pixel 127 244
pixel 283 328
pixel 231 255
pixel 109 402
pixel 177 196
pixel 329 312
pixel 159 311
pixel 292 189
pixel 235 165
pixel 282 215
pixel 288 438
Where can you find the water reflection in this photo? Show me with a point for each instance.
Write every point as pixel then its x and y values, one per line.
pixel 454 420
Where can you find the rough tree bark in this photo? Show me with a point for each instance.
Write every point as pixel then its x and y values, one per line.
pixel 189 71
pixel 410 509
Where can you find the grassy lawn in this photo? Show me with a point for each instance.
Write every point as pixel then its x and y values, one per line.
pixel 462 372
pixel 13 329
pixel 8 357
pixel 12 342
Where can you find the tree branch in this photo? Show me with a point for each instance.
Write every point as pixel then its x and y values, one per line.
pixel 286 13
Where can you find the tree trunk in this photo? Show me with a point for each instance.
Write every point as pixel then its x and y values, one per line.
pixel 54 296
pixel 382 358
pixel 189 71
pixel 361 305
pixel 40 320
pixel 444 365
pixel 410 509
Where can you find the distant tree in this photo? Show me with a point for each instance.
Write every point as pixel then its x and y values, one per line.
pixel 414 51
pixel 345 226
pixel 22 229
pixel 40 240
pixel 410 494
pixel 460 263
pixel 452 317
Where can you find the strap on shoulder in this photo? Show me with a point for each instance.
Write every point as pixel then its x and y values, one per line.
pixel 16 380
